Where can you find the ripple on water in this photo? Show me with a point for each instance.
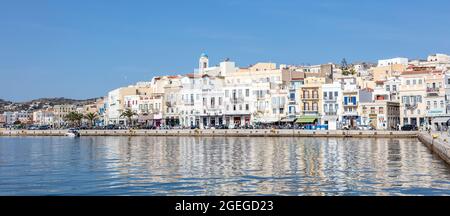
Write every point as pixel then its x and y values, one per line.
pixel 219 166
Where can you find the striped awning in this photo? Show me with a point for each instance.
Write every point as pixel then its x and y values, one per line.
pixel 306 119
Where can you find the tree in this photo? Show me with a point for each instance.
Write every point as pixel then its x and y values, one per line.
pixel 91 117
pixel 344 65
pixel 74 118
pixel 128 114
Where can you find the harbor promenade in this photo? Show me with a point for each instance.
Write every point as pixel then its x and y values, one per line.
pixel 233 132
pixel 437 142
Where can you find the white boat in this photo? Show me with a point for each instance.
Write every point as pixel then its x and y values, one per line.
pixel 72 133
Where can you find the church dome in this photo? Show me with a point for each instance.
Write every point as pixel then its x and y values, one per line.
pixel 204 55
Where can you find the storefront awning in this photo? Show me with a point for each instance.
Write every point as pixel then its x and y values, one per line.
pixel 292 119
pixel 440 120
pixel 306 119
pixel 266 120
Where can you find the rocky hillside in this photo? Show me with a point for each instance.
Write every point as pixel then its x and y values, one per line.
pixel 40 103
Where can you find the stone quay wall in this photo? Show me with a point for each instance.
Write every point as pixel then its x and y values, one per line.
pixel 436 144
pixel 233 132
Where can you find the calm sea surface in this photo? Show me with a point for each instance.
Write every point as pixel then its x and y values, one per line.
pixel 219 166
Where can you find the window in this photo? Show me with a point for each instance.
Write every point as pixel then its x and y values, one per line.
pixel 325 95
pixel 247 107
pixel 388 88
pixel 420 82
pixel 435 104
pixel 247 92
pixel 213 102
pixel 227 93
pixel 240 93
pixel 306 106
pixel 407 82
pixel 234 107
pixel 381 110
pixel 394 87
pixel 442 104
pixel 414 82
pixel 220 101
pixel 240 106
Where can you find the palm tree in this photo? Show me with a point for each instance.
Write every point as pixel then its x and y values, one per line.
pixel 91 117
pixel 74 118
pixel 128 114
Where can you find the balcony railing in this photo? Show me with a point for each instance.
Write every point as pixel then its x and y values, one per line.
pixel 310 98
pixel 330 113
pixel 236 100
pixel 432 90
pixel 350 113
pixel 310 112
pixel 327 99
pixel 351 104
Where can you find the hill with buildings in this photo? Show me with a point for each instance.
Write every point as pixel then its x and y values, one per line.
pixel 40 103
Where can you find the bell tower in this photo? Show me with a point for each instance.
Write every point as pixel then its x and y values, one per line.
pixel 203 62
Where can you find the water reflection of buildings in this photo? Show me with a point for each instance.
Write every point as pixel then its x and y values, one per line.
pixel 290 166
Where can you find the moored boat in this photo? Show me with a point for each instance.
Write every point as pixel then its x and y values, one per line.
pixel 72 133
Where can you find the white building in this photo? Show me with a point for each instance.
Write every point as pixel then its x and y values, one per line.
pixel 43 117
pixel 393 61
pixel 332 105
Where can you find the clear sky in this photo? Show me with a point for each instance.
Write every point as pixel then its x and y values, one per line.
pixel 84 48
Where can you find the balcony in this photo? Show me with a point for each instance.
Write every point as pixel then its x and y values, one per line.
pixel 310 112
pixel 310 98
pixel 432 91
pixel 350 113
pixel 331 113
pixel 327 99
pixel 189 103
pixel 351 104
pixel 237 100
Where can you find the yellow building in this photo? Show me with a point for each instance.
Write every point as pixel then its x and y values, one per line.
pixel 384 72
pixel 311 100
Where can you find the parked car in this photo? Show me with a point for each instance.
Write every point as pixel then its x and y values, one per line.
pixel 44 127
pixel 409 128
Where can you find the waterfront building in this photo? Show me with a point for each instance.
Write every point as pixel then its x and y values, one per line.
pixel 311 99
pixel 116 98
pixel 2 119
pixel 172 100
pixel 412 95
pixel 252 95
pixel 350 91
pixel 203 94
pixel 447 91
pixel 435 100
pixel 380 113
pixel 9 118
pixel 294 79
pixel 332 105
pixel 43 117
pixel 148 108
pixel 60 112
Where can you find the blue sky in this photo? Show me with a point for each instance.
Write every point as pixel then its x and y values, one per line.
pixel 81 49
